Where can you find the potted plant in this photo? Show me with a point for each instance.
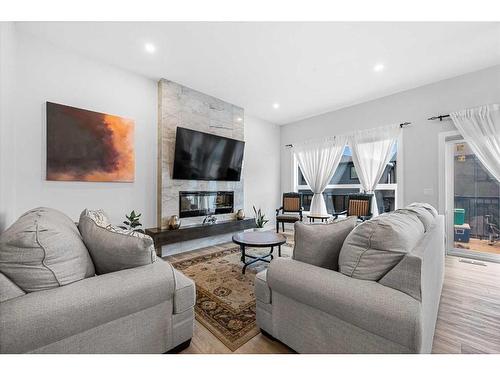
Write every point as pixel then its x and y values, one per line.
pixel 132 223
pixel 260 219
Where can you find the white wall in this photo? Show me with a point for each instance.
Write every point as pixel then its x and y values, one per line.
pixel 262 167
pixel 46 73
pixel 7 164
pixel 420 140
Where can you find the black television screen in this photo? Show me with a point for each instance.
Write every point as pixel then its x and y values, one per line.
pixel 203 156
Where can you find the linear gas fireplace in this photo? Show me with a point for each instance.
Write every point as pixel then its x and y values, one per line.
pixel 202 203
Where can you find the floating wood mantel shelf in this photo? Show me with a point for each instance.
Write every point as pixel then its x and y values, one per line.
pixel 163 236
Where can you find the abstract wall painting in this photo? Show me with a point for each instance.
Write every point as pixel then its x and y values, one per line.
pixel 88 146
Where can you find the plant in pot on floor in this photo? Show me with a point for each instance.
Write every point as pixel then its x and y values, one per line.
pixel 132 223
pixel 260 219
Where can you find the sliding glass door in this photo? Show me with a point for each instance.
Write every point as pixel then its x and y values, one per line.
pixel 473 205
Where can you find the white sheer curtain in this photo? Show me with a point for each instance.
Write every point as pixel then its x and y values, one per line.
pixel 318 161
pixel 371 151
pixel 480 128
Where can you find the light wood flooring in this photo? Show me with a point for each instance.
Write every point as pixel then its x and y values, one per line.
pixel 468 319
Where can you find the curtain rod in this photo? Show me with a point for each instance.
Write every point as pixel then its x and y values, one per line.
pixel 440 117
pixel 402 125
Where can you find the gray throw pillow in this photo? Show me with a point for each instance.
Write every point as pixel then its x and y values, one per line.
pixel 320 244
pixel 42 250
pixel 374 247
pixel 424 215
pixel 114 249
pixel 426 206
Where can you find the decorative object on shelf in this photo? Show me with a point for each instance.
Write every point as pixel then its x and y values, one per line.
pixel 132 223
pixel 174 222
pixel 88 146
pixel 260 219
pixel 240 214
pixel 210 219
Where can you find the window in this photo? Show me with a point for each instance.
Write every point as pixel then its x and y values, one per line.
pixel 476 204
pixel 345 181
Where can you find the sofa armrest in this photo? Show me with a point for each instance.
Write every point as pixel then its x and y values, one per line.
pixel 8 289
pixel 365 304
pixel 40 318
pixel 185 293
pixel 262 290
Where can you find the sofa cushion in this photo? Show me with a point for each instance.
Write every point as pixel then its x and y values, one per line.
pixel 43 250
pixel 8 289
pixel 320 244
pixel 376 246
pixel 114 249
pixel 360 304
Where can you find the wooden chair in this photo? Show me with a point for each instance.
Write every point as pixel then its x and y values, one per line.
pixel 358 205
pixel 291 210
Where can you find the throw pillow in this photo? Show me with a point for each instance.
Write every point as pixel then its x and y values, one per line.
pixel 374 247
pixel 114 249
pixel 42 250
pixel 424 215
pixel 320 244
pixel 427 206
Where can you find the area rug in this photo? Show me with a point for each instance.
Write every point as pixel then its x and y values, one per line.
pixel 225 299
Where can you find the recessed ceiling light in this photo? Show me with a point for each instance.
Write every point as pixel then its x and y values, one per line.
pixel 276 105
pixel 239 119
pixel 150 47
pixel 378 67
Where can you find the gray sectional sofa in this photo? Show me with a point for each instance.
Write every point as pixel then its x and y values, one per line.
pixel 51 300
pixel 378 294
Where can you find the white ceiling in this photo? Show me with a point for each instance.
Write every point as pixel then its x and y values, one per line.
pixel 308 68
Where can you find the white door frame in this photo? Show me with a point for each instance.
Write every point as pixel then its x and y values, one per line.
pixel 447 141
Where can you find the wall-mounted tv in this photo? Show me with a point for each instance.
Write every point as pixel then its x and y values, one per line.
pixel 203 156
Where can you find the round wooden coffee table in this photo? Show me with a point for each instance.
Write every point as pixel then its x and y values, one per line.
pixel 258 239
pixel 312 217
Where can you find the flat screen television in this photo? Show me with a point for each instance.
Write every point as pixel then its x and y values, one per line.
pixel 203 156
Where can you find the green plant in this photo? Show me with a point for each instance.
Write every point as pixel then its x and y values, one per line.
pixel 260 218
pixel 132 222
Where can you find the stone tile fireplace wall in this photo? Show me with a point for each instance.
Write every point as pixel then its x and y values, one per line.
pixel 187 108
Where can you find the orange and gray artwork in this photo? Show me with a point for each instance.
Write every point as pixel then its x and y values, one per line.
pixel 88 146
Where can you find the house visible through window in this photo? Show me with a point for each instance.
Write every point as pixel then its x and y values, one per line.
pixel 345 181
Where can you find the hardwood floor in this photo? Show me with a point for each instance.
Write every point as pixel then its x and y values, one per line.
pixel 469 313
pixel 468 319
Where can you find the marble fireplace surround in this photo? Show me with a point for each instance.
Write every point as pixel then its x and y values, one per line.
pixel 182 106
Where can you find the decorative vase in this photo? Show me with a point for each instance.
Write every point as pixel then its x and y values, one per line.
pixel 173 222
pixel 240 214
pixel 259 229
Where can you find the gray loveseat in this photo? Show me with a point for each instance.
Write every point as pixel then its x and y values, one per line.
pixel 381 295
pixel 146 309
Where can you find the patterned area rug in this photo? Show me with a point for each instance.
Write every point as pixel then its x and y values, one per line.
pixel 225 300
